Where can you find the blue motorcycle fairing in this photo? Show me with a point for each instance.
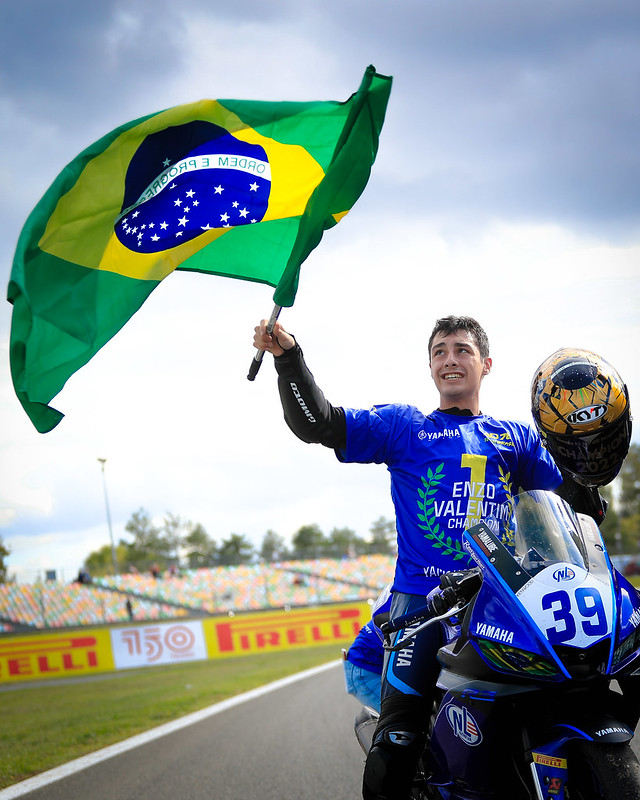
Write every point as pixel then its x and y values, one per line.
pixel 496 618
pixel 474 715
pixel 497 606
pixel 529 676
pixel 627 642
pixel 570 604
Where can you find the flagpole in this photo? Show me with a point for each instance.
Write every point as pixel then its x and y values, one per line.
pixel 257 359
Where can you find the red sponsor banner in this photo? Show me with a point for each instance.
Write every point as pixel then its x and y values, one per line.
pixel 61 654
pixel 55 655
pixel 279 630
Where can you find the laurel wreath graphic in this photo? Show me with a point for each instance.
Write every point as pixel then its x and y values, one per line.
pixel 449 546
pixel 508 530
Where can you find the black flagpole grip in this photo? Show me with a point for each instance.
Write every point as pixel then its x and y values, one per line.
pixel 257 359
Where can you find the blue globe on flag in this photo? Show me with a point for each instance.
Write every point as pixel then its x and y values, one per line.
pixel 174 193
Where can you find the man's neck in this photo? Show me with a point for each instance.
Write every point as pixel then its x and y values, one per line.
pixel 460 412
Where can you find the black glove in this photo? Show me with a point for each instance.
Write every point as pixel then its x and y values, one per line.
pixel 583 499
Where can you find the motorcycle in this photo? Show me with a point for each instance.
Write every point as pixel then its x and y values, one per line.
pixel 539 691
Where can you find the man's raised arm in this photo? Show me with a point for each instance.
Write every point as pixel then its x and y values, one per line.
pixel 306 410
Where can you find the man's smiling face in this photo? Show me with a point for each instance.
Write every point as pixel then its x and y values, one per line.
pixel 457 370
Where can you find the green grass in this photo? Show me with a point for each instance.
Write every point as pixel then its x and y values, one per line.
pixel 44 726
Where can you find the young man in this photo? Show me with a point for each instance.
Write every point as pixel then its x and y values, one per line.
pixel 448 469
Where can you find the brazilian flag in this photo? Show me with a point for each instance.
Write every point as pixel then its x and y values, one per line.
pixel 229 187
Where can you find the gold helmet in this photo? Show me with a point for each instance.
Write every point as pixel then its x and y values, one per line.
pixel 581 409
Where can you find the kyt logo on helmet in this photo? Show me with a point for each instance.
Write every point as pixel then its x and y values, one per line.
pixel 584 415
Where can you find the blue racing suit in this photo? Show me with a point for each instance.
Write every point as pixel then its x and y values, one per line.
pixel 448 469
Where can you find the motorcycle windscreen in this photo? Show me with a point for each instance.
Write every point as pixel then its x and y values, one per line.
pixel 561 578
pixel 545 531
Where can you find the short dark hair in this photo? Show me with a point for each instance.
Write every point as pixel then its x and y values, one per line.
pixel 449 325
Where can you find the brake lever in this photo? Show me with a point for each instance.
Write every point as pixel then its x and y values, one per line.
pixel 450 613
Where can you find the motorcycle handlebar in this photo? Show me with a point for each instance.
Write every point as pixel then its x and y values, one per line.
pixel 456 587
pixel 398 623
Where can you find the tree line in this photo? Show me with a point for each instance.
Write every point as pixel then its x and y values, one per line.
pixel 621 527
pixel 180 542
pixel 177 543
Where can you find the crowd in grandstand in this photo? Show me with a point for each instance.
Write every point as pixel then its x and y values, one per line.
pixel 219 590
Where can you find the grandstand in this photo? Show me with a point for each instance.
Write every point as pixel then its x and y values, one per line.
pixel 219 590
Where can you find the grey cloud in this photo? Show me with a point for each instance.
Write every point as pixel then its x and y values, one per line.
pixel 524 111
pixel 536 122
pixel 66 59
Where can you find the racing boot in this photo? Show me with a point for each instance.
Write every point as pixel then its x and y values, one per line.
pixel 391 764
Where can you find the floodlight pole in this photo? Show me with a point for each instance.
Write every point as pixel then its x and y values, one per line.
pixel 103 461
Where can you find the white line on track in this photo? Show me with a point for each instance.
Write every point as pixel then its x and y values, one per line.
pixel 78 764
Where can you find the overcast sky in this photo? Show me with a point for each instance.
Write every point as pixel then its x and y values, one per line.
pixel 507 187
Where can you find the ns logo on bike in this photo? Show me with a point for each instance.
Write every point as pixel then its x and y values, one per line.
pixel 564 574
pixel 464 725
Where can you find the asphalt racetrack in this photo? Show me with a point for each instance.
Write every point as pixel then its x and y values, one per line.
pixel 294 742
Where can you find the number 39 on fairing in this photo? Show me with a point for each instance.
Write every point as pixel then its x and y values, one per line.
pixel 572 606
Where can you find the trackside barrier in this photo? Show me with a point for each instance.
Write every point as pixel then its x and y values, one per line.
pixel 87 651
